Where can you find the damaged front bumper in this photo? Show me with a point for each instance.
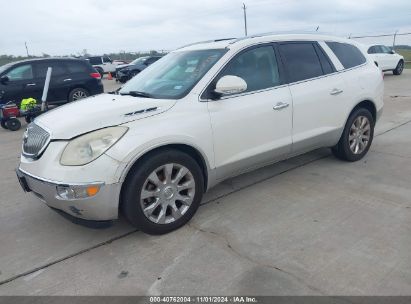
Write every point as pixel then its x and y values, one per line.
pixel 94 201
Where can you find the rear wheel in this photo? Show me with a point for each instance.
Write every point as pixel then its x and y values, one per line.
pixel 400 67
pixel 13 124
pixel 163 192
pixel 357 136
pixel 77 94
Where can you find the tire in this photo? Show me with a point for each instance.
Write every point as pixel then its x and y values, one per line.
pixel 162 195
pixel 355 136
pixel 3 124
pixel 77 94
pixel 400 67
pixel 13 124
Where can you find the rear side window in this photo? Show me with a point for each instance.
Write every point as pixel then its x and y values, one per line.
pixel 349 55
pixel 374 50
pixel 58 69
pixel 95 60
pixel 77 67
pixel 301 61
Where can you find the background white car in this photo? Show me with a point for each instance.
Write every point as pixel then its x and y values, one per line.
pixel 387 59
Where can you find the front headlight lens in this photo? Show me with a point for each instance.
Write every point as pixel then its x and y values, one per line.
pixel 86 148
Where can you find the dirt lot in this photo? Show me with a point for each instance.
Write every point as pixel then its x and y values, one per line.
pixel 308 225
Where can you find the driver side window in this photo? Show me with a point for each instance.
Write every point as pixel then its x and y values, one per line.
pixel 258 67
pixel 22 72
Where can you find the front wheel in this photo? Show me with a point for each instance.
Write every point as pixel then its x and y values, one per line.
pixel 357 136
pixel 163 192
pixel 400 67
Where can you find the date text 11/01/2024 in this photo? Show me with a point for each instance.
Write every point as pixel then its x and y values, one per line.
pixel 203 299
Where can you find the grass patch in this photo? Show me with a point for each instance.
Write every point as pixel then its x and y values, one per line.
pixel 407 56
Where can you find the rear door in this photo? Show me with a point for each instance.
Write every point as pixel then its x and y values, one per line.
pixel 59 81
pixel 21 84
pixel 252 128
pixel 318 94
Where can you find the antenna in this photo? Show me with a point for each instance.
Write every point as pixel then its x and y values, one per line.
pixel 245 19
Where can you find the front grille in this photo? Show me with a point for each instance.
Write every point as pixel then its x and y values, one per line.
pixel 35 140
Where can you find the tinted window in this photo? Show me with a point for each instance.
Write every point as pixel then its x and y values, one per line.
pixel 373 50
pixel 325 61
pixel 385 49
pixel 41 69
pixel 106 60
pixel 151 60
pixel 349 55
pixel 76 67
pixel 22 72
pixel 94 60
pixel 258 67
pixel 301 61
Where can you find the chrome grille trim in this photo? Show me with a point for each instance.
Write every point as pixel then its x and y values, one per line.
pixel 35 141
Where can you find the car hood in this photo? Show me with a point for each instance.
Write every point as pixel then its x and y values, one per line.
pixel 122 66
pixel 97 112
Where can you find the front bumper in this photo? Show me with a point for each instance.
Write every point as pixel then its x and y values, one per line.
pixel 101 207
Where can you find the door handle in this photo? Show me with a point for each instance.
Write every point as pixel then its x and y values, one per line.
pixel 30 84
pixel 280 105
pixel 68 79
pixel 336 91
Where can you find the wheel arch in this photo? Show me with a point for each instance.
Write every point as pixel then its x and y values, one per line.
pixel 367 104
pixel 198 156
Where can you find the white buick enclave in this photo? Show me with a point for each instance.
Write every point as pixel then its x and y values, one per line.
pixel 199 115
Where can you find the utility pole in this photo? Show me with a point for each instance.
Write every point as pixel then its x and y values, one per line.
pixel 27 50
pixel 393 43
pixel 245 19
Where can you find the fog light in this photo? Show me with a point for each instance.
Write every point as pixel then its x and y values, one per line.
pixel 77 192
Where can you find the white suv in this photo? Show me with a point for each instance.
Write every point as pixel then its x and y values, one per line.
pixel 199 115
pixel 387 59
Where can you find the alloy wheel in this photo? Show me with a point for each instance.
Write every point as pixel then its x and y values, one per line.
pixel 167 193
pixel 360 133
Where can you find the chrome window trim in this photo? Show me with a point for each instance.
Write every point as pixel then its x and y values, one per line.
pixel 282 85
pixel 227 62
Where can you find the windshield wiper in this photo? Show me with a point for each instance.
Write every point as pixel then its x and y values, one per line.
pixel 138 94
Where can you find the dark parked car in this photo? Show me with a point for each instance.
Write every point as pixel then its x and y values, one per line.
pixel 128 71
pixel 71 79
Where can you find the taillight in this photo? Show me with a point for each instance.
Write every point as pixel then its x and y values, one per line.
pixel 95 75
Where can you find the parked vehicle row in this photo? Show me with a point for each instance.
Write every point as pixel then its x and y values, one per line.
pixel 72 79
pixel 127 71
pixel 201 114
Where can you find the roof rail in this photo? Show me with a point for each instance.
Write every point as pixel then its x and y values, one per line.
pixel 274 33
pixel 206 41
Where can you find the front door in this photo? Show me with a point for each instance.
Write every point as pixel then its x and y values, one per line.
pixel 252 128
pixel 21 84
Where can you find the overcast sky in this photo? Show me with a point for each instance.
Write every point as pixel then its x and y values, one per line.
pixel 102 26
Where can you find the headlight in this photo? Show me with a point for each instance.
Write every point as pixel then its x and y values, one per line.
pixel 86 148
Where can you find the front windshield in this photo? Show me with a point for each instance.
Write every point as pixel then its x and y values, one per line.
pixel 5 67
pixel 138 60
pixel 174 75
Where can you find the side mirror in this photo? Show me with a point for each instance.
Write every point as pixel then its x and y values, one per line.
pixel 4 79
pixel 392 52
pixel 230 85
